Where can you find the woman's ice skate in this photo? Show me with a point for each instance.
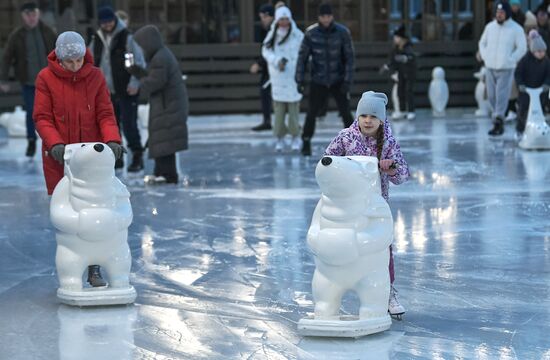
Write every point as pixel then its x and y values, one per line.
pixel 395 309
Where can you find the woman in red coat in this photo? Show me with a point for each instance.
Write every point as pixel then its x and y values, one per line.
pixel 72 105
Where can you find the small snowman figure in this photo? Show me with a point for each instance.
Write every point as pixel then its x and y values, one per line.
pixel 483 108
pixel 438 92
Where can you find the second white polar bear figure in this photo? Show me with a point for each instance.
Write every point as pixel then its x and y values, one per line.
pixel 350 234
pixel 90 208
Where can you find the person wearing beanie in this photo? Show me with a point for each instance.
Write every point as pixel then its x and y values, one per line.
pixel 72 105
pixel 517 14
pixel 501 46
pixel 26 50
pixel 111 43
pixel 403 61
pixel 330 48
pixel 542 27
pixel 280 51
pixel 266 13
pixel 162 83
pixel 370 135
pixel 533 71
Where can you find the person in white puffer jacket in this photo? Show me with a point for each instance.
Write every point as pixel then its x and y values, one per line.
pixel 280 49
pixel 501 46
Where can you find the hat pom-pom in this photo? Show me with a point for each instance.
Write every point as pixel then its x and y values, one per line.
pixel 533 34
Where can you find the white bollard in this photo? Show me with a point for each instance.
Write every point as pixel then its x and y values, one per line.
pixel 350 234
pixel 91 210
pixel 438 92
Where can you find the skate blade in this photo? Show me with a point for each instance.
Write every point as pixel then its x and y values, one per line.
pixel 398 317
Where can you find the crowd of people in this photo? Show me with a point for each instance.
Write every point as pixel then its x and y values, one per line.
pixel 33 50
pixel 514 49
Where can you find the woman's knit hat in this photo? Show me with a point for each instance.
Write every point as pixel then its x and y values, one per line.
pixel 70 45
pixel 372 103
pixel 283 12
pixel 536 42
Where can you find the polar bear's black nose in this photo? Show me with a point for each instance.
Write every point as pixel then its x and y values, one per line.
pixel 98 147
pixel 326 161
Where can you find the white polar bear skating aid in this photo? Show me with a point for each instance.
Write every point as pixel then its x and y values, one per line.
pixel 350 234
pixel 90 208
pixel 536 135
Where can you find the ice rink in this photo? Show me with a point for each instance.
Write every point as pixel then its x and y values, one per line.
pixel 222 270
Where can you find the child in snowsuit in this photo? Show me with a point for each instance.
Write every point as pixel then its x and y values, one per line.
pixel 533 71
pixel 370 135
pixel 403 61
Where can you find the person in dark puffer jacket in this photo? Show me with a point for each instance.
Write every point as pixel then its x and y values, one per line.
pixel 331 49
pixel 162 82
pixel 533 70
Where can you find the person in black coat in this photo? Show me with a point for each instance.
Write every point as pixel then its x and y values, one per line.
pixel 403 60
pixel 517 14
pixel 266 14
pixel 162 83
pixel 533 71
pixel 331 50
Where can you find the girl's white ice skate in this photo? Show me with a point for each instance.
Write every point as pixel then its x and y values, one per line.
pixel 395 309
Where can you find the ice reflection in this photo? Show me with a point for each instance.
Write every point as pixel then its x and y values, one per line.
pixel 96 333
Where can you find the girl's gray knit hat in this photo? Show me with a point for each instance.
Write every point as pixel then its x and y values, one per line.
pixel 372 103
pixel 70 45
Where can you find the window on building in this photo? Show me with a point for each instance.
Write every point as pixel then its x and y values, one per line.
pixel 427 20
pixel 190 21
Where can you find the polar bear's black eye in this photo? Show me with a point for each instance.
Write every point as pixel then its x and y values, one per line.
pixel 326 161
pixel 82 145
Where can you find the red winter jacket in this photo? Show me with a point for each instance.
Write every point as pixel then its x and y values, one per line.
pixel 71 107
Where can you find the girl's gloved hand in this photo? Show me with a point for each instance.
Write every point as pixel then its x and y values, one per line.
pixel 57 152
pixel 388 166
pixel 117 149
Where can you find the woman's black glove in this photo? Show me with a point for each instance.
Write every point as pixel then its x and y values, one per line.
pixel 137 71
pixel 57 152
pixel 117 149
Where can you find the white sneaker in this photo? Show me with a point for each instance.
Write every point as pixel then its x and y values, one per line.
pixel 394 307
pixel 296 143
pixel 511 116
pixel 154 180
pixel 279 145
pixel 411 116
pixel 396 115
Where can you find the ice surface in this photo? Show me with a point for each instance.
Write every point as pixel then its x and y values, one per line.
pixel 222 271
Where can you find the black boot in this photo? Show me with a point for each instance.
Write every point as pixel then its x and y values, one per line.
pixel 31 148
pixel 306 147
pixel 498 127
pixel 94 276
pixel 263 126
pixel 137 162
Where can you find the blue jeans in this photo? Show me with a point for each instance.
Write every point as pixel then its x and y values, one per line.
pixel 28 99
